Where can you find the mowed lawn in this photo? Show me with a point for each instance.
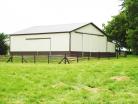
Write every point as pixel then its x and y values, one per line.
pixel 104 81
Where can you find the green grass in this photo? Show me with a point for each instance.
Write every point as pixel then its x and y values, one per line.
pixel 86 82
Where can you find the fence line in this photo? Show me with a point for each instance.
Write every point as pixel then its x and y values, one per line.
pixel 66 59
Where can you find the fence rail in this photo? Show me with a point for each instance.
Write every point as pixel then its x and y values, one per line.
pixel 66 59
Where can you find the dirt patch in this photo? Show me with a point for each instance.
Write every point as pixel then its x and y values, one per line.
pixel 58 85
pixel 93 90
pixel 120 78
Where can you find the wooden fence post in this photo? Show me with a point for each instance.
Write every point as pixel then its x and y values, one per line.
pixel 108 55
pixel 11 58
pixel 99 55
pixel 22 58
pixel 117 54
pixel 77 58
pixel 48 58
pixel 88 57
pixel 34 59
pixel 65 58
pixel 125 54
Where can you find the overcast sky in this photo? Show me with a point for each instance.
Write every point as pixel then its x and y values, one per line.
pixel 19 14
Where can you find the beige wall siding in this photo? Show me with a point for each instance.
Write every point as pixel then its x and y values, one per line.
pixel 59 42
pixel 91 43
pixel 88 43
pixel 76 42
pixel 110 47
pixel 98 44
pixel 90 29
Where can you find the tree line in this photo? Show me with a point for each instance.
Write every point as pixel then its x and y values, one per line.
pixel 3 44
pixel 123 28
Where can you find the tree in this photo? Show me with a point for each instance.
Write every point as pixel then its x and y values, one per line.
pixel 3 44
pixel 117 29
pixel 131 10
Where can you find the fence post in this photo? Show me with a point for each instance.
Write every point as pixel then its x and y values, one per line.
pixel 117 54
pixel 99 55
pixel 108 55
pixel 65 57
pixel 88 57
pixel 34 59
pixel 22 58
pixel 77 58
pixel 11 58
pixel 125 54
pixel 48 58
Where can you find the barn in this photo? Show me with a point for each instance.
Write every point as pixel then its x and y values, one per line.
pixel 81 39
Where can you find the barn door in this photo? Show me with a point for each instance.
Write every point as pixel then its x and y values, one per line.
pixel 39 44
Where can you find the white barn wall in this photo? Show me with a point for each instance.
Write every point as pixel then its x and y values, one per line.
pixel 88 43
pixel 110 47
pixel 98 43
pixel 76 42
pixel 91 43
pixel 59 42
pixel 89 29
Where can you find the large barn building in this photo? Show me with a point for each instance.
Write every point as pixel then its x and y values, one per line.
pixel 81 39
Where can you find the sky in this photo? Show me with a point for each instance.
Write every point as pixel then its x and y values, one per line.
pixel 16 15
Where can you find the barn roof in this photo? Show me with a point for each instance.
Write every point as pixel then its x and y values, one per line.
pixel 54 29
pixel 51 28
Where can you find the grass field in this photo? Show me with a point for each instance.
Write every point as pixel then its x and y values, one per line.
pixel 104 81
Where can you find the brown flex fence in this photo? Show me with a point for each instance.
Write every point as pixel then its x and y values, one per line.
pixel 66 59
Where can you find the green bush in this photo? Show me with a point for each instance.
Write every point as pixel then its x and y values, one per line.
pixel 3 44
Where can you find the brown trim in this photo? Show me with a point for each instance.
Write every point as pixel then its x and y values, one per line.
pixel 39 33
pixel 36 38
pixel 39 52
pixel 88 33
pixel 61 32
pixel 93 54
pixel 99 29
pixel 69 53
pixel 92 25
pixel 80 27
